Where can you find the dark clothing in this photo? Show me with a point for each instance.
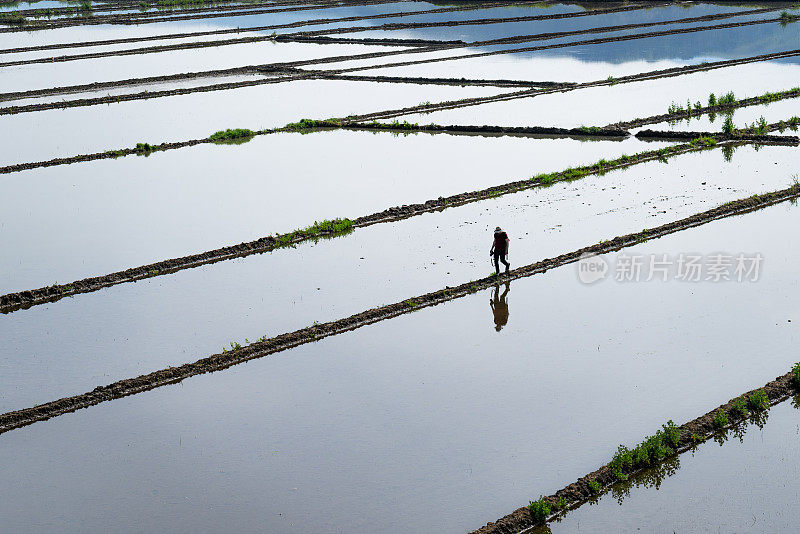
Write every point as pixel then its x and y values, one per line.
pixel 499 307
pixel 501 256
pixel 500 243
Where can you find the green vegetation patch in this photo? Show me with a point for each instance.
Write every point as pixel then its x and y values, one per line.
pixel 232 135
pixel 787 18
pixel 540 510
pixel 758 401
pixel 397 125
pixel 145 149
pixel 720 419
pixel 704 142
pixel 728 126
pixel 740 408
pixel 318 229
pixel 649 452
pixel 13 18
pixel 307 124
pixel 182 4
pixel 759 127
pixel 604 165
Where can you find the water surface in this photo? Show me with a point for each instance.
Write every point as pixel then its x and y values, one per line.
pixel 746 483
pixel 431 422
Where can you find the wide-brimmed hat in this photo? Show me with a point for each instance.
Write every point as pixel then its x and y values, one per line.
pixel 498 230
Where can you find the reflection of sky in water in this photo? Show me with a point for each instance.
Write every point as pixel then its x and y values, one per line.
pixel 720 44
pixel 620 102
pixel 291 288
pixel 430 422
pixel 139 228
pixel 698 46
pixel 712 488
pixel 381 426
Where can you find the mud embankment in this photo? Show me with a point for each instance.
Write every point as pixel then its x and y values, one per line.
pixel 227 31
pixel 216 362
pixel 243 71
pixel 136 18
pixel 433 46
pixel 461 82
pixel 549 131
pixel 148 18
pixel 651 75
pixel 551 35
pixel 697 112
pixel 183 46
pixel 111 7
pixel 25 299
pixel 691 433
pixel 99 86
pixel 298 74
pixel 508 40
pixel 739 135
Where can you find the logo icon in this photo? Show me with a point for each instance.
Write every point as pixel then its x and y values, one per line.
pixel 591 268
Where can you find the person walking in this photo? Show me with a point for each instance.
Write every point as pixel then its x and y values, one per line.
pixel 499 249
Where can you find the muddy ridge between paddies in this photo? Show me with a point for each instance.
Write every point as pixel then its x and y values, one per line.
pixel 312 22
pixel 314 36
pixel 438 46
pixel 259 349
pixel 25 299
pixel 591 485
pixel 137 18
pixel 297 74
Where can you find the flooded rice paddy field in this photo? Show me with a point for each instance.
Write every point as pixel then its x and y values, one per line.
pixel 742 482
pixel 113 68
pixel 576 107
pixel 195 211
pixel 402 407
pixel 353 426
pixel 289 289
pixel 670 17
pixel 43 135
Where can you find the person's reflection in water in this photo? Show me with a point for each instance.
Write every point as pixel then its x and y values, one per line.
pixel 500 306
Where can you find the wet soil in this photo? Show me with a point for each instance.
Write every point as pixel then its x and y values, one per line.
pixel 459 82
pixel 788 140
